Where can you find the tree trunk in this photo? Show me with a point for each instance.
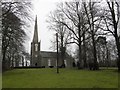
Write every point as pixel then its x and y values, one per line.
pixel 84 53
pixel 95 65
pixel 62 52
pixel 80 62
pixel 94 54
pixel 22 61
pixel 3 60
pixel 12 63
pixel 80 65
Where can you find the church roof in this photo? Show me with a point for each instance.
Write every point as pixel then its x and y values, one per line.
pixel 48 54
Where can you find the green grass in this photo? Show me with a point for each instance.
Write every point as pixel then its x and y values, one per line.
pixel 67 78
pixel 0 80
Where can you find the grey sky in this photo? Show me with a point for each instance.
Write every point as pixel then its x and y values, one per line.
pixel 42 9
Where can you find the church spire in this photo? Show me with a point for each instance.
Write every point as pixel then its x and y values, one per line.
pixel 35 37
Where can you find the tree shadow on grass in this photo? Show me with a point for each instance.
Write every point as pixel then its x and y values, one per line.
pixel 11 72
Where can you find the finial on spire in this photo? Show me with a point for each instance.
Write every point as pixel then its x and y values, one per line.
pixel 36 18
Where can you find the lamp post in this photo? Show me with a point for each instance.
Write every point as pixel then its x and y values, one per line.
pixel 57 52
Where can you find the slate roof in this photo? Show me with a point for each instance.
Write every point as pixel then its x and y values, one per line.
pixel 48 54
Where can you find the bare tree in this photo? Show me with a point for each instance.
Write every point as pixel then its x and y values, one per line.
pixel 75 20
pixel 115 21
pixel 94 20
pixel 74 17
pixel 63 34
pixel 111 20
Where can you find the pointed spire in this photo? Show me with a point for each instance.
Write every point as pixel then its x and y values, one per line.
pixel 35 37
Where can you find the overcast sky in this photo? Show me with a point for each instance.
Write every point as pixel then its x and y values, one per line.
pixel 42 8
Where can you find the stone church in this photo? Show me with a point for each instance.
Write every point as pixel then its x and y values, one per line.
pixel 45 58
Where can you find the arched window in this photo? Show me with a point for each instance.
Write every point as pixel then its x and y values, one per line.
pixel 36 47
pixel 49 62
pixel 35 55
pixel 56 63
pixel 65 61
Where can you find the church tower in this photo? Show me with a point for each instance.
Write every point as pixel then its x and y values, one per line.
pixel 35 48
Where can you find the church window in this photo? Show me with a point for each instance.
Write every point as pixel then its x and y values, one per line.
pixel 35 55
pixel 36 47
pixel 35 64
pixel 49 62
pixel 56 63
pixel 65 61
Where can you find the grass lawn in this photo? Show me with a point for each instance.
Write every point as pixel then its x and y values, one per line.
pixel 67 78
pixel 0 80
